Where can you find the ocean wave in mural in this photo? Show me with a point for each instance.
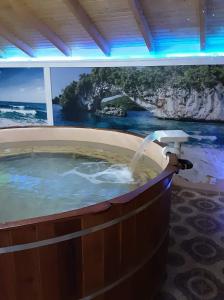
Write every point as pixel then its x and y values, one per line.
pixel 22 97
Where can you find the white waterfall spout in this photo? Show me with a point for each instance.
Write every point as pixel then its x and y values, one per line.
pixel 173 139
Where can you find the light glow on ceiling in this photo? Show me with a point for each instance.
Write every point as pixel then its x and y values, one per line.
pixel 125 53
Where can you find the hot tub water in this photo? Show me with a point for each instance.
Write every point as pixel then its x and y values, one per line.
pixel 38 180
pixel 119 173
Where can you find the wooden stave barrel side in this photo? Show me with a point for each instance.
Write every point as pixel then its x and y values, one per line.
pixel 103 263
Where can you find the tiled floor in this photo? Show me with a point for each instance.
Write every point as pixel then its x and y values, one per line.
pixel 196 252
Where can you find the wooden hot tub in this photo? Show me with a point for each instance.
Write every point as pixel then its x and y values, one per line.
pixel 112 250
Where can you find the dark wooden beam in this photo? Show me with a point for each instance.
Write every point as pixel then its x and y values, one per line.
pixel 15 40
pixel 85 20
pixel 28 17
pixel 142 22
pixel 202 13
pixel 2 53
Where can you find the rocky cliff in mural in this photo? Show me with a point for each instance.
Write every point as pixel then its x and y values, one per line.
pixel 174 92
pixel 179 104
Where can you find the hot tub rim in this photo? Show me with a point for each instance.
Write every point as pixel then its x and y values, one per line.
pixel 170 169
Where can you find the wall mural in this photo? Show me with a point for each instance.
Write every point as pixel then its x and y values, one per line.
pixel 22 99
pixel 144 99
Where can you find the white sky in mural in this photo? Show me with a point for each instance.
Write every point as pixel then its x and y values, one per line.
pixel 61 77
pixel 22 85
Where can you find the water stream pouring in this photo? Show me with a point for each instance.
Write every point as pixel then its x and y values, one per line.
pixel 173 139
pixel 140 151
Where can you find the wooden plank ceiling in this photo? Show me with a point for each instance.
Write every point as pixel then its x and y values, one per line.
pixel 66 27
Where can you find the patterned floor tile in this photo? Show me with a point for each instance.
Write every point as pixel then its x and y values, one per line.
pixel 203 250
pixel 205 224
pixel 200 284
pixel 195 265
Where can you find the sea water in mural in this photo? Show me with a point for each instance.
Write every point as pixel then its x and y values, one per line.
pixel 145 99
pixel 22 97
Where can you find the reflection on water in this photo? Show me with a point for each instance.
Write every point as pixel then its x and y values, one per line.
pixel 142 122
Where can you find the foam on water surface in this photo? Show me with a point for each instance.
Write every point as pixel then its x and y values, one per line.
pixel 34 182
pixel 18 110
pixel 112 174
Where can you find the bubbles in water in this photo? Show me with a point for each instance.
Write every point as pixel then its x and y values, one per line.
pixel 118 173
pixel 38 180
pixel 7 150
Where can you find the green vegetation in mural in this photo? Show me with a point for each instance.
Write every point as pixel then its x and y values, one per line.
pixel 135 83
